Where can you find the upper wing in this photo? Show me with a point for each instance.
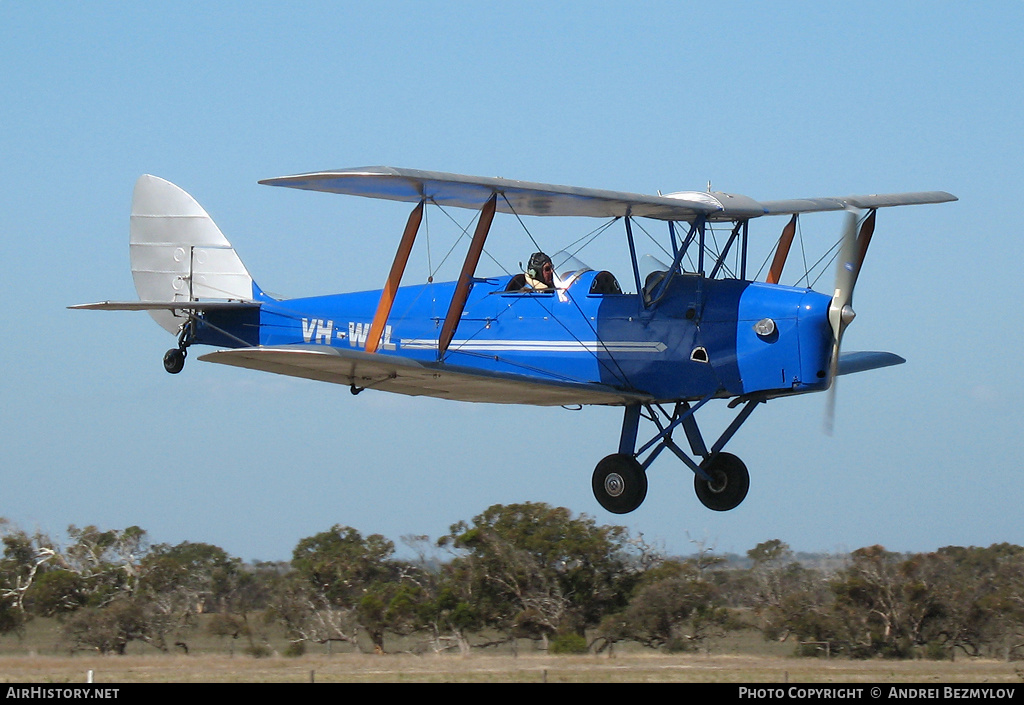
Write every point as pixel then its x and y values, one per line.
pixel 521 197
pixel 882 200
pixel 528 198
pixel 405 376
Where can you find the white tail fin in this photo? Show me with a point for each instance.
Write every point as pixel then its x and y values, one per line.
pixel 178 253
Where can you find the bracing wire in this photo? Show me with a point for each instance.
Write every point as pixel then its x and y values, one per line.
pixel 618 372
pixel 525 229
pixel 803 251
pixel 824 261
pixel 589 237
pixel 464 232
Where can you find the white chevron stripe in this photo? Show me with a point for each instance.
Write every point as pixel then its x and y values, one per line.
pixel 563 346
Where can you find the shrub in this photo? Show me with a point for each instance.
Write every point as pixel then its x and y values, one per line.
pixel 568 643
pixel 295 648
pixel 258 651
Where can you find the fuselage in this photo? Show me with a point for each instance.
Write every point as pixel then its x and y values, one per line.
pixel 721 337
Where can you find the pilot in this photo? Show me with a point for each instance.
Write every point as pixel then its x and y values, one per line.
pixel 540 275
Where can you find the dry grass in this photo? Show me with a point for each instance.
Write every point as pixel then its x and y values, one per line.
pixel 40 656
pixel 495 668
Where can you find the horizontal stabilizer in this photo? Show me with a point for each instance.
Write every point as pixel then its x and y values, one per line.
pixel 167 305
pixel 404 376
pixel 852 362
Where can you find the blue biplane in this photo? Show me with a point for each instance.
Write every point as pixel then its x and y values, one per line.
pixel 661 352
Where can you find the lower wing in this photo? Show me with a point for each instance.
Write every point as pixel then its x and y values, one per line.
pixel 404 376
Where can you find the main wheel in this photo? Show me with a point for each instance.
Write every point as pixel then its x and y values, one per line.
pixel 620 483
pixel 729 483
pixel 174 360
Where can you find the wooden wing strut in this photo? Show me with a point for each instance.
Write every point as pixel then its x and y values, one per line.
pixel 782 251
pixel 867 229
pixel 458 304
pixel 387 295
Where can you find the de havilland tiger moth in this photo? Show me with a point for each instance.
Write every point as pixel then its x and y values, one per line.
pixel 557 334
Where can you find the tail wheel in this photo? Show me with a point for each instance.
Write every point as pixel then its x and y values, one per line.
pixel 728 486
pixel 620 483
pixel 174 360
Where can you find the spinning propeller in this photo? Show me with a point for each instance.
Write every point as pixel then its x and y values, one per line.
pixel 840 312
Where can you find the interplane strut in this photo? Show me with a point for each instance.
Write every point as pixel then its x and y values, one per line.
pixel 387 295
pixel 459 298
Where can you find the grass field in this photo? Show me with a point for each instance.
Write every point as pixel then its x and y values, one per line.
pixel 495 668
pixel 40 656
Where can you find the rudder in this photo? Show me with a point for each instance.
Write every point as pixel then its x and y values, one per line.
pixel 178 253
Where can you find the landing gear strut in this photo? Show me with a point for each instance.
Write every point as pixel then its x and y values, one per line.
pixel 720 479
pixel 174 359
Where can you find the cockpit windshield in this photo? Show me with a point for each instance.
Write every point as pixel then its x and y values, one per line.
pixel 567 268
pixel 652 272
pixel 649 264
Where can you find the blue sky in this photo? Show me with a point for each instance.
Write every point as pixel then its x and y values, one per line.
pixel 771 100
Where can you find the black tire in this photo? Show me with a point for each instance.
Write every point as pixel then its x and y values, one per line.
pixel 729 483
pixel 620 483
pixel 174 360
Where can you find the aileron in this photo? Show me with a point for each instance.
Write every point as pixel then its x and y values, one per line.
pixel 885 200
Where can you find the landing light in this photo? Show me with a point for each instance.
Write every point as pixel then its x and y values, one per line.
pixel 765 327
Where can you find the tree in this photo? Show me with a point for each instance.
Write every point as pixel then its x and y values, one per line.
pixel 884 601
pixel 534 570
pixel 24 561
pixel 177 583
pixel 109 629
pixel 340 580
pixel 341 563
pixel 981 593
pixel 447 608
pixel 108 562
pixel 309 617
pixel 389 606
pixel 189 577
pixel 56 593
pixel 250 588
pixel 93 584
pixel 786 597
pixel 675 607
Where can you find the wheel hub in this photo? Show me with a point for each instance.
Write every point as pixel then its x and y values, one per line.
pixel 718 481
pixel 614 485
